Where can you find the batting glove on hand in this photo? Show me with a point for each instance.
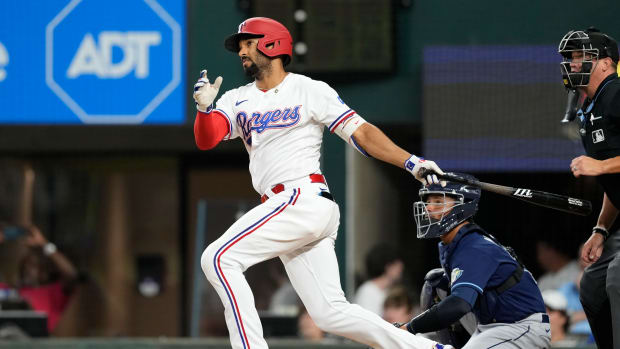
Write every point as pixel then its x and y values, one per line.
pixel 205 92
pixel 416 165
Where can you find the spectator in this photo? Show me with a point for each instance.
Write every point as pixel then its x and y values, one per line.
pixel 398 305
pixel 384 269
pixel 559 268
pixel 555 302
pixel 46 277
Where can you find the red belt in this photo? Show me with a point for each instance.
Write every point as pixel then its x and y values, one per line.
pixel 278 188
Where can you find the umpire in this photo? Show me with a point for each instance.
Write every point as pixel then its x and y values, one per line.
pixel 590 68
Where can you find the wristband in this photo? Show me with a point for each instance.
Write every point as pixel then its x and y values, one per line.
pixel 411 163
pixel 49 249
pixel 208 110
pixel 600 230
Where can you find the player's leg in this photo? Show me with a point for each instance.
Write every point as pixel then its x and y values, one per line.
pixel 278 226
pixel 313 271
pixel 223 263
pixel 593 294
pixel 613 292
pixel 528 334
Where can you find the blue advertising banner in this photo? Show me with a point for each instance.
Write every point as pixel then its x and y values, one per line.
pixel 92 62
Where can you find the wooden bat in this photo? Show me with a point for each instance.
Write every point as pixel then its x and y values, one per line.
pixel 536 197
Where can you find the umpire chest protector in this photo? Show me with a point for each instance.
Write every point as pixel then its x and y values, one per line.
pixel 600 131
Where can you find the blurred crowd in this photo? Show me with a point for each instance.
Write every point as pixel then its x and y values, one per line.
pixel 45 282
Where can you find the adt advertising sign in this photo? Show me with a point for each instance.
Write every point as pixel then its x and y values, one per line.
pixel 92 61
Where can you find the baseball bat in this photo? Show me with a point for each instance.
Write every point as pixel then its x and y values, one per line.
pixel 536 197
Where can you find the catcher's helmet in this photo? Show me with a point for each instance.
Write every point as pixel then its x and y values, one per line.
pixel 592 44
pixel 270 32
pixel 466 205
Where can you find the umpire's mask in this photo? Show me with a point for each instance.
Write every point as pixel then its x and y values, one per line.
pixel 440 209
pixel 585 47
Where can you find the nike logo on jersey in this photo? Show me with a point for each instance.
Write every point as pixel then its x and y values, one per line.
pixel 549 330
pixel 239 102
pixel 272 119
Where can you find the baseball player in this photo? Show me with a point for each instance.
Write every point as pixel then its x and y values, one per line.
pixel 484 277
pixel 280 117
pixel 590 67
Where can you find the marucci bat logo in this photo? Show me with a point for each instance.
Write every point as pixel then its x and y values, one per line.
pixel 524 193
pixel 575 202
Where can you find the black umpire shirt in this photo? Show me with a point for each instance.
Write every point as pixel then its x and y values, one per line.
pixel 600 131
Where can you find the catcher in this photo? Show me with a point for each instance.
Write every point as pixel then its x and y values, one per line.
pixel 486 278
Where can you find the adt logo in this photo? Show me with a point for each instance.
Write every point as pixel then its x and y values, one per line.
pixel 4 61
pixel 91 59
pixel 113 61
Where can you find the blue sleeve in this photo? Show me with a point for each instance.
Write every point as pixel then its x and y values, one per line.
pixel 473 264
pixel 468 294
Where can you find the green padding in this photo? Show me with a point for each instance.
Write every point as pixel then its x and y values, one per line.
pixel 162 343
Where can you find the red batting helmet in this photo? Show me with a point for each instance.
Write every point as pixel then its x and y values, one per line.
pixel 270 32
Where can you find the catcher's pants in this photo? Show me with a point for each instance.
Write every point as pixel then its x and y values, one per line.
pixel 529 333
pixel 300 227
pixel 599 293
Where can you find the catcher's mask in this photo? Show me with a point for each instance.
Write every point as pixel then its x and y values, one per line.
pixel 585 47
pixel 440 209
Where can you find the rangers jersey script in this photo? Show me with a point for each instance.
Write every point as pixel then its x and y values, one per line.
pixel 282 128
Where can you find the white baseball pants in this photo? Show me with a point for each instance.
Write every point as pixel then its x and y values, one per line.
pixel 300 227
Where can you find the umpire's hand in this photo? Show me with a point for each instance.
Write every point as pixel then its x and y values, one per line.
pixel 586 166
pixel 592 249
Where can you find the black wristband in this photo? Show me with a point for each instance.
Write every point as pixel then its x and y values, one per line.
pixel 602 231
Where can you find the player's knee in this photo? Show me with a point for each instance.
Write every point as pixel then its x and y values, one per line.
pixel 323 321
pixel 207 262
pixel 327 318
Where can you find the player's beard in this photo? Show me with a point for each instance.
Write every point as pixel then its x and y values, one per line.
pixel 259 68
pixel 252 70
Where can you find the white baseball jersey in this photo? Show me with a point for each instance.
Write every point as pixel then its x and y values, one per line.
pixel 282 128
